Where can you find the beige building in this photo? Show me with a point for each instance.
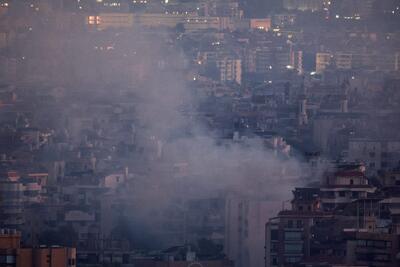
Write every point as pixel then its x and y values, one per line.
pixel 349 60
pixel 344 61
pixel 12 254
pixel 230 70
pixel 111 20
pixel 323 60
pixel 105 21
pixel 261 24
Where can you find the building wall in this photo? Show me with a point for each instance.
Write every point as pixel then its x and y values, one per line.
pixel 230 70
pixel 11 204
pixel 245 221
pixel 375 154
pixel 33 257
pixel 9 239
pixel 372 249
pixel 322 61
pixel 287 239
pixel 261 24
pixel 54 257
pixel 351 60
pixel 127 20
pixel 303 5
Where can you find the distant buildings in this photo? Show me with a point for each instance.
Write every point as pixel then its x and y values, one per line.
pixel 354 8
pixel 306 5
pixel 371 249
pixel 288 236
pixel 377 155
pixel 344 222
pixel 344 186
pixel 96 97
pixel 190 22
pixel 354 61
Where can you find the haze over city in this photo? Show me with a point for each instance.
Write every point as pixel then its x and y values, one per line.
pixel 214 133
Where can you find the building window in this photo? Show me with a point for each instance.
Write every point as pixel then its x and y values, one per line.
pixel 7 259
pixel 125 258
pixel 342 193
pixel 274 247
pixel 331 194
pixel 372 165
pixel 370 243
pixel 292 259
pixel 361 243
pixel 293 248
pixel 293 235
pixel 290 224
pixel 329 206
pixel 274 234
pixel 381 257
pixel 380 244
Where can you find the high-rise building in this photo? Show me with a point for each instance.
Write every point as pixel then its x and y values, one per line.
pixel 288 236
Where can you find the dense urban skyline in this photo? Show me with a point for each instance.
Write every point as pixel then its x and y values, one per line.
pixel 219 133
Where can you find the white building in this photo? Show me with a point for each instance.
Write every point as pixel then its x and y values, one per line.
pixel 230 70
